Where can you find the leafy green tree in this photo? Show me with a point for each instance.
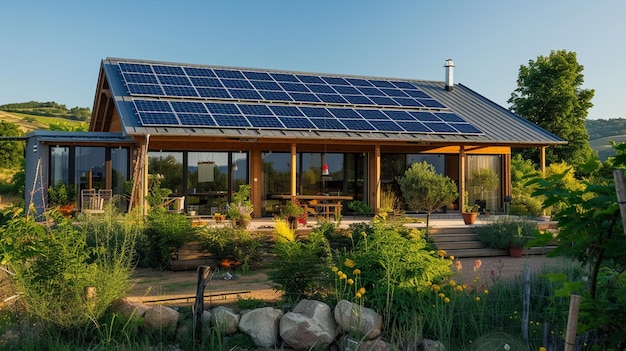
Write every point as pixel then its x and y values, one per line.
pixel 426 190
pixel 11 152
pixel 590 231
pixel 549 94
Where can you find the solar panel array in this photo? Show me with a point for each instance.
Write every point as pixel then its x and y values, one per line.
pixel 211 97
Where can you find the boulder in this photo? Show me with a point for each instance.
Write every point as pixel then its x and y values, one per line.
pixel 320 312
pixel 127 308
pixel 262 325
pixel 224 320
pixel 431 345
pixel 304 333
pixel 358 320
pixel 161 317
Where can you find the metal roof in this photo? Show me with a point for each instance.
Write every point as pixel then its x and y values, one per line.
pixel 499 125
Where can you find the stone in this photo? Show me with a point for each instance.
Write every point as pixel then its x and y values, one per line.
pixel 127 308
pixel 161 317
pixel 358 320
pixel 304 333
pixel 375 345
pixel 431 345
pixel 262 325
pixel 224 320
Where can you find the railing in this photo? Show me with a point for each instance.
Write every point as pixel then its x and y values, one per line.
pixel 93 201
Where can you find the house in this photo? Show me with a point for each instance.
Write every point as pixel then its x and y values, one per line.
pixel 204 130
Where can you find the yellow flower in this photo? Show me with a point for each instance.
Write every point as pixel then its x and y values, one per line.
pixel 339 274
pixel 476 280
pixel 452 283
pixel 452 258
pixel 350 281
pixel 364 235
pixel 435 287
pixel 486 291
pixel 349 263
pixel 542 349
pixel 441 253
pixel 477 298
pixel 446 300
pixel 429 283
pixel 335 269
pixel 358 295
pixel 361 291
pixel 442 295
pixel 459 288
pixel 356 271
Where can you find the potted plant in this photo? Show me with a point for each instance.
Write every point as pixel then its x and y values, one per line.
pixel 293 212
pixel 240 210
pixel 218 217
pixel 484 180
pixel 63 196
pixel 470 212
pixel 507 233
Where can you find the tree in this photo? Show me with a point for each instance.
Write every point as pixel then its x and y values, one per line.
pixel 549 94
pixel 426 190
pixel 11 152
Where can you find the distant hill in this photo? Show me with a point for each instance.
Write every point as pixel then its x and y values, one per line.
pixel 602 132
pixel 34 115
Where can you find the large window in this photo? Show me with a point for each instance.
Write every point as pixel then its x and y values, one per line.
pixel 89 168
pixel 208 175
pixel 490 199
pixel 59 165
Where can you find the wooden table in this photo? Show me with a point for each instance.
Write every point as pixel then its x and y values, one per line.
pixel 319 205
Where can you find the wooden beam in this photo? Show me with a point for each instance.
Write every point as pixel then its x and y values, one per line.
pixel 294 169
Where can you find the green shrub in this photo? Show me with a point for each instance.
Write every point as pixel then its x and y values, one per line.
pixel 360 207
pixel 68 275
pixel 233 244
pixel 300 267
pixel 165 233
pixel 504 232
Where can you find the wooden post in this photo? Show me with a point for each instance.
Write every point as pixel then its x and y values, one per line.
pixel 203 277
pixel 620 190
pixel 572 321
pixel 526 305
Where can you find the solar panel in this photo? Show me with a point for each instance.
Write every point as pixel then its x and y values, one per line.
pixel 265 122
pixel 328 124
pixel 195 119
pixel 297 123
pixel 223 97
pixel 140 78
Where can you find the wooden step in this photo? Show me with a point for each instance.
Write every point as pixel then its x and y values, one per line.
pixel 442 238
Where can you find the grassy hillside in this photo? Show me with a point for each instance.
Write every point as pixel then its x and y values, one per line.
pixel 32 115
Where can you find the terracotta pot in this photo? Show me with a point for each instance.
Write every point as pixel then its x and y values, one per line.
pixel 469 217
pixel 516 251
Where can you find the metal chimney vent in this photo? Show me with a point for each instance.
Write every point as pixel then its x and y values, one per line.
pixel 449 74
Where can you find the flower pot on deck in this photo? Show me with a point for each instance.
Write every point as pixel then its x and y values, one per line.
pixel 469 217
pixel 516 251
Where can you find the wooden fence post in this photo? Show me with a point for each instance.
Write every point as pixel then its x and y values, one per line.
pixel 572 322
pixel 203 277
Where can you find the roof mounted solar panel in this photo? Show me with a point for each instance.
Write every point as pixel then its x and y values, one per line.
pixel 219 97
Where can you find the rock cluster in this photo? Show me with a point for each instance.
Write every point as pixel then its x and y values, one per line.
pixel 310 324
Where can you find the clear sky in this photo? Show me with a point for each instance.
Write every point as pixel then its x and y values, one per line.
pixel 51 50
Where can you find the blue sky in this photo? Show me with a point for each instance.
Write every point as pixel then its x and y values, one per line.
pixel 51 50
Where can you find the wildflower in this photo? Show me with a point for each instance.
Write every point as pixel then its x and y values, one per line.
pixel 356 271
pixel 364 235
pixel 446 300
pixel 486 291
pixel 477 265
pixel 442 295
pixel 349 263
pixel 335 269
pixel 459 288
pixel 441 253
pixel 429 283
pixel 452 258
pixel 358 295
pixel 458 265
pixel 452 283
pixel 476 279
pixel 477 298
pixel 339 273
pixel 350 281
pixel 349 235
pixel 542 349
pixel 362 291
pixel 435 287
